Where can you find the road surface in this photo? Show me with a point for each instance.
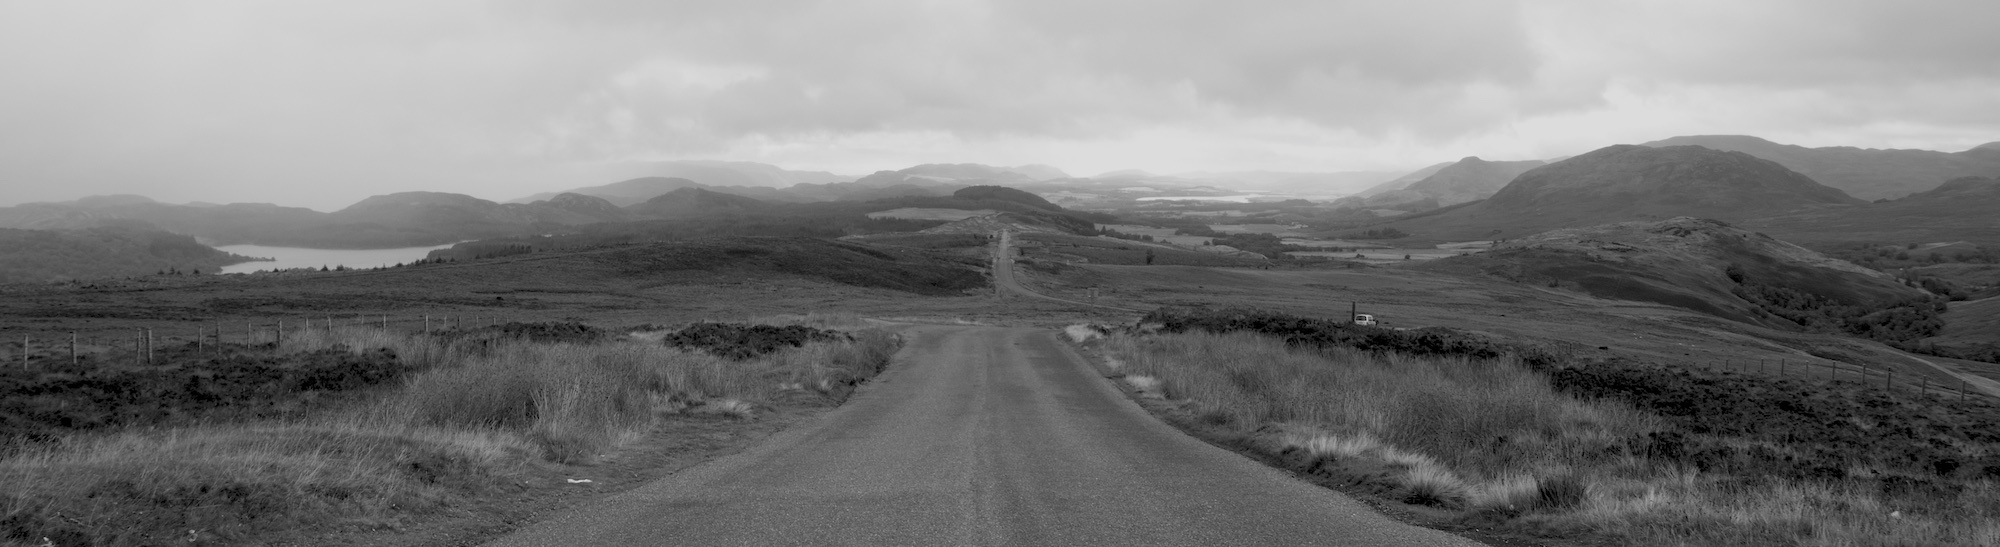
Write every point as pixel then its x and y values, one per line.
pixel 980 436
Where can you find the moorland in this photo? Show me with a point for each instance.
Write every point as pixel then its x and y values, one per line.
pixel 1682 342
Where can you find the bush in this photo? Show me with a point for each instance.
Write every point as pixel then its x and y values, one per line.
pixel 741 341
pixel 1326 333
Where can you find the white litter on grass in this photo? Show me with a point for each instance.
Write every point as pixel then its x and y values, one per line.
pixel 727 407
pixel 577 481
pixel 1082 333
pixel 1147 386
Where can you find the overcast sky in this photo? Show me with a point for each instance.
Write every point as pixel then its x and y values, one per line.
pixel 320 104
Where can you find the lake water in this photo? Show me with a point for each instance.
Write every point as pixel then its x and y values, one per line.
pixel 298 257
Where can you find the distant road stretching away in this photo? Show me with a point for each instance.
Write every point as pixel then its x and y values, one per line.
pixel 980 436
pixel 1004 280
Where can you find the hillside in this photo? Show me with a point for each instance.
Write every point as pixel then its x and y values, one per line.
pixel 1962 209
pixel 224 224
pixel 1404 181
pixel 1626 183
pixel 1469 179
pixel 749 176
pixel 1864 173
pixel 575 209
pixel 59 255
pixel 1971 331
pixel 693 202
pixel 1003 193
pixel 1713 268
pixel 627 192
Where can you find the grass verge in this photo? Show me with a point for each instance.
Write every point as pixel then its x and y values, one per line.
pixel 1490 443
pixel 480 411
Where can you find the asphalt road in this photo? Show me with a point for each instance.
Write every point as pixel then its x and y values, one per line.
pixel 980 436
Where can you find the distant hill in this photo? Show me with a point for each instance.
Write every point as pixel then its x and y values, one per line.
pixel 1626 183
pixel 61 255
pixel 1404 181
pixel 706 173
pixel 695 202
pixel 1864 173
pixel 1003 193
pixel 1296 183
pixel 957 174
pixel 1964 209
pixel 575 209
pixel 1714 268
pixel 223 224
pixel 1469 179
pixel 627 192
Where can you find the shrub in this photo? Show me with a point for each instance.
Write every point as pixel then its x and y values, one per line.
pixel 743 341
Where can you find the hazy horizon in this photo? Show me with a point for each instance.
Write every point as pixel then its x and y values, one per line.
pixel 321 104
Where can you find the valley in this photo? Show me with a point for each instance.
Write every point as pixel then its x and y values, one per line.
pixel 1705 317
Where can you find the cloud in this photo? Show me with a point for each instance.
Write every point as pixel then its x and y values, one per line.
pixel 325 102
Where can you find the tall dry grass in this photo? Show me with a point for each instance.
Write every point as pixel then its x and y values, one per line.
pixel 473 414
pixel 1493 442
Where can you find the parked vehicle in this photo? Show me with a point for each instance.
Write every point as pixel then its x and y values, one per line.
pixel 1364 319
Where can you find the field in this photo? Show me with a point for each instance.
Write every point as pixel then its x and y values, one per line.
pixel 924 213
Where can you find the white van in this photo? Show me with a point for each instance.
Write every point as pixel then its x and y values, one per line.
pixel 1364 319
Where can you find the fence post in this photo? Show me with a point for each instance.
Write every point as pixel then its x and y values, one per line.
pixel 279 344
pixel 72 347
pixel 24 352
pixel 200 337
pixel 1889 380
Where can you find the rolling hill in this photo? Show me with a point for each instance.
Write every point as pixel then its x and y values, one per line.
pixel 693 202
pixel 1971 331
pixel 1713 268
pixel 1964 209
pixel 1469 179
pixel 1626 183
pixel 1864 173
pixel 60 255
pixel 1404 181
pixel 738 174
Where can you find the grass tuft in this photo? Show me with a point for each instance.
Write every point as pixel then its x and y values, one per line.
pixel 470 418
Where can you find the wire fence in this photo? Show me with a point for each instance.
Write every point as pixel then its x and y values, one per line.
pixel 149 346
pixel 1828 373
pixel 1836 374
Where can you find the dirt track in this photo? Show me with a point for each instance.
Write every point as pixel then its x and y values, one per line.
pixel 981 436
pixel 1003 275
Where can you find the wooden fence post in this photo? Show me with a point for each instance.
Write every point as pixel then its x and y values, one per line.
pixel 72 347
pixel 200 337
pixel 279 345
pixel 149 346
pixel 1889 380
pixel 24 352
